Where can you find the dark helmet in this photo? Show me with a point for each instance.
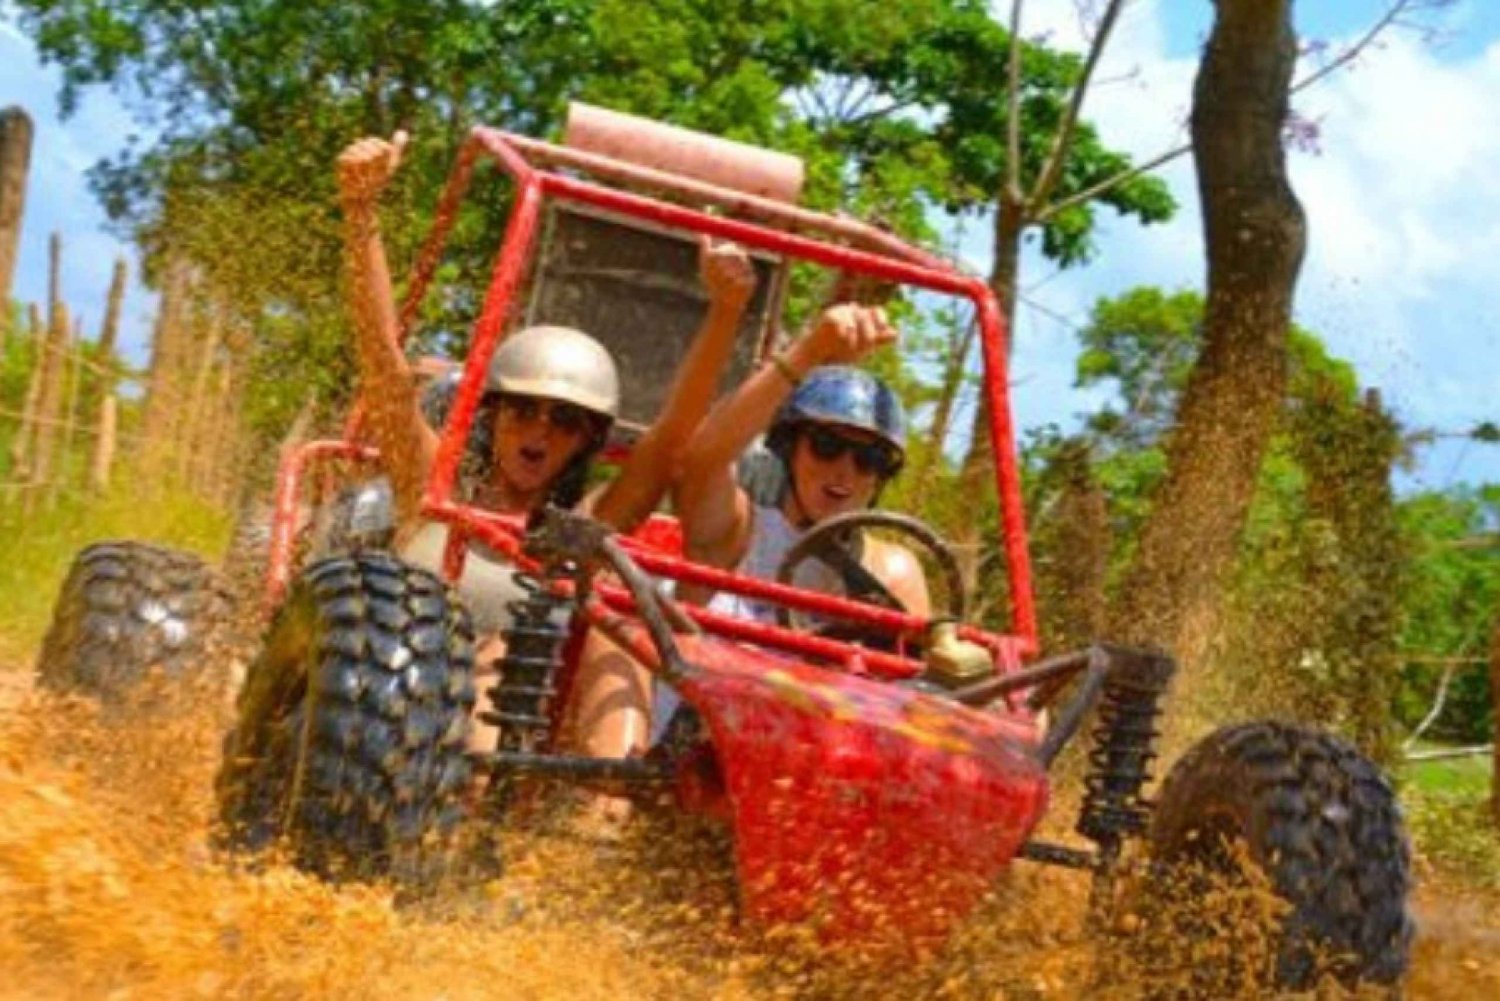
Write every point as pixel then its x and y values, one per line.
pixel 843 395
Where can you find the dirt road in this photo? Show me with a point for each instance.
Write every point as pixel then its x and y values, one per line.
pixel 108 888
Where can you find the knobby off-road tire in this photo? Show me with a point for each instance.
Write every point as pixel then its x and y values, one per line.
pixel 351 730
pixel 128 608
pixel 1322 823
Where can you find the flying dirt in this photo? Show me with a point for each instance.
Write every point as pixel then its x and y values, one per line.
pixel 109 888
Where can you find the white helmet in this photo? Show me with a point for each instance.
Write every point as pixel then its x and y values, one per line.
pixel 560 363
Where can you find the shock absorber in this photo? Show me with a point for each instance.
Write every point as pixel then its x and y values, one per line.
pixel 1123 745
pixel 533 652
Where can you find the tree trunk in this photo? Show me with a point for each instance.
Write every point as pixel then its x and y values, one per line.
pixel 15 163
pixel 192 444
pixel 1255 234
pixel 977 475
pixel 164 381
pixel 960 344
pixel 1074 540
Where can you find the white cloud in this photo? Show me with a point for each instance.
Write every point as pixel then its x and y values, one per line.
pixel 1403 206
pixel 58 198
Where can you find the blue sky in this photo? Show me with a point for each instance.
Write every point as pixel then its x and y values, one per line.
pixel 1403 201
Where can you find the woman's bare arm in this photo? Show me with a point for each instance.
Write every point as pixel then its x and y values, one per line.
pixel 633 495
pixel 715 512
pixel 388 392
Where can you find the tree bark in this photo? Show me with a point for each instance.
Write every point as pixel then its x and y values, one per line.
pixel 164 381
pixel 15 163
pixel 1074 537
pixel 1255 234
pixel 977 475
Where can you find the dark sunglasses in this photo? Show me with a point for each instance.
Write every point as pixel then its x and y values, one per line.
pixel 876 457
pixel 568 418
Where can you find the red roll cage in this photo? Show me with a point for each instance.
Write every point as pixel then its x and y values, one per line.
pixel 758 223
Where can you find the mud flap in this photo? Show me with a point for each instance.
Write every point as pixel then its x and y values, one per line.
pixel 873 814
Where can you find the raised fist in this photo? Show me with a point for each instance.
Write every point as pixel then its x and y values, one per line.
pixel 726 271
pixel 365 166
pixel 847 333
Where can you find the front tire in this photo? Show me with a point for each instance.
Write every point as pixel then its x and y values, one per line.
pixel 352 725
pixel 1320 821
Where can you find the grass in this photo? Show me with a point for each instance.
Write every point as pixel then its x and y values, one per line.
pixel 1447 809
pixel 40 548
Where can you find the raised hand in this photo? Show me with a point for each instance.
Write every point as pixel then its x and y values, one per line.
pixel 367 165
pixel 726 272
pixel 847 333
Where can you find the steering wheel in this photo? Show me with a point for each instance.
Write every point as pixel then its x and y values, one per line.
pixel 834 543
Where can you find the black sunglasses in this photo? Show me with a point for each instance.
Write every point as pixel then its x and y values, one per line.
pixel 876 457
pixel 568 418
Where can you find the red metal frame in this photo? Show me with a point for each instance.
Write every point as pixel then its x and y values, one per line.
pixel 889 259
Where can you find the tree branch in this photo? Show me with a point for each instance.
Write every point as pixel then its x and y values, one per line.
pixel 1089 193
pixel 1063 137
pixel 1390 18
pixel 1346 57
pixel 1013 190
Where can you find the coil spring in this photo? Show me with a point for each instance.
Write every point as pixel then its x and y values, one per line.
pixel 1120 756
pixel 533 652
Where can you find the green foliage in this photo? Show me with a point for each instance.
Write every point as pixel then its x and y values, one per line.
pixel 1447 807
pixel 41 546
pixel 1451 599
pixel 1326 576
pixel 896 115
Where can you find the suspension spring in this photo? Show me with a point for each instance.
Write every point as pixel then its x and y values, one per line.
pixel 521 699
pixel 1123 747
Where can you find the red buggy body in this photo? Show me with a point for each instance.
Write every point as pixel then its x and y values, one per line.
pixel 855 802
pixel 873 790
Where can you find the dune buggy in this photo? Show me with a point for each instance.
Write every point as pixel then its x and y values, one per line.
pixel 874 789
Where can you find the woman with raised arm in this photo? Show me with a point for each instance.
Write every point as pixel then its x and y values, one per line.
pixel 551 396
pixel 840 436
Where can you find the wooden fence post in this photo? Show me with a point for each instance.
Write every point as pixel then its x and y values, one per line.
pixel 15 162
pixel 20 446
pixel 103 455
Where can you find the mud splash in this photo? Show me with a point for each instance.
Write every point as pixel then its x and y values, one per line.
pixel 108 888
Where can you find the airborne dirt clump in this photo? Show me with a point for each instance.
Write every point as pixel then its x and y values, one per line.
pixel 108 888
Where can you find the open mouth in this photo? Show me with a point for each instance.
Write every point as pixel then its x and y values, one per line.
pixel 533 456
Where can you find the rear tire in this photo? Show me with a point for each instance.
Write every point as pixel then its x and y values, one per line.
pixel 128 608
pixel 352 725
pixel 1320 821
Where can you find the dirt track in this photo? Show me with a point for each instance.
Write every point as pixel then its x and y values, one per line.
pixel 108 889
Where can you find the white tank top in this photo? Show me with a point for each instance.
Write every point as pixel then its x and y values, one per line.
pixel 771 538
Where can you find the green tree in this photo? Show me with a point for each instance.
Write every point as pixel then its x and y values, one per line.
pixel 1452 589
pixel 897 114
